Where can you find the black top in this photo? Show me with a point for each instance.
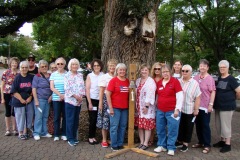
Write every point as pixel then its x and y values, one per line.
pixel 225 98
pixel 23 86
pixel 33 72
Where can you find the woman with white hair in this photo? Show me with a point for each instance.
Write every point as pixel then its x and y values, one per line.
pixel 42 97
pixel 22 100
pixel 74 92
pixel 57 86
pixel 117 98
pixel 225 103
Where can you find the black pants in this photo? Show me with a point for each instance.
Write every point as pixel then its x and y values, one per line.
pixel 185 128
pixel 9 110
pixel 93 119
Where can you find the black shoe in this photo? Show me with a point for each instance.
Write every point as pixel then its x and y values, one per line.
pixel 92 143
pixel 144 147
pixel 120 147
pixel 219 144
pixel 114 148
pixel 140 145
pixel 225 148
pixel 184 148
pixel 178 145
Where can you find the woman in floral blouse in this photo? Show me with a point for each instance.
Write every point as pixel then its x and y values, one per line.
pixel 74 91
pixel 7 80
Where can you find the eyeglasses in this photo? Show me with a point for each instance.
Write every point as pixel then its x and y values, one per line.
pixel 31 60
pixel 60 64
pixel 155 69
pixel 185 71
pixel 44 66
pixel 24 67
pixel 53 67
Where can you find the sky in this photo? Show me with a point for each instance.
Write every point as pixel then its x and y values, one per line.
pixel 26 29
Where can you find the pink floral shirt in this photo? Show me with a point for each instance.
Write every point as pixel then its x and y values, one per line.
pixel 73 84
pixel 8 77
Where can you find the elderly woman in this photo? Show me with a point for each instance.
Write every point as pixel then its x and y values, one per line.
pixel 103 116
pixel 145 108
pixel 8 77
pixel 208 89
pixel 190 108
pixel 117 98
pixel 176 69
pixel 22 100
pixel 74 91
pixel 57 87
pixel 225 103
pixel 52 68
pixel 42 97
pixel 92 94
pixel 169 105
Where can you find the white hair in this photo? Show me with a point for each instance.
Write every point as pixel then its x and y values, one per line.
pixel 120 65
pixel 223 62
pixel 75 61
pixel 25 63
pixel 42 62
pixel 187 66
pixel 61 58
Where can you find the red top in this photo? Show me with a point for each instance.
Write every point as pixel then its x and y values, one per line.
pixel 167 95
pixel 120 92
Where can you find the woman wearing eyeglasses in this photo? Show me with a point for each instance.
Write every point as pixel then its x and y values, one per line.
pixel 22 100
pixel 92 94
pixel 57 87
pixel 176 69
pixel 42 97
pixel 169 105
pixel 145 108
pixel 227 91
pixel 208 89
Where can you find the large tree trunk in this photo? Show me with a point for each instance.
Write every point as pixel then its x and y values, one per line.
pixel 116 44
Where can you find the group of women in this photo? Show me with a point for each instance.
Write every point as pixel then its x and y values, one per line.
pixel 160 95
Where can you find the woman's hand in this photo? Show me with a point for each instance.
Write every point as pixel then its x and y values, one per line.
pixel 2 101
pixel 36 102
pixel 176 113
pixel 90 107
pixel 61 97
pixel 195 112
pixel 145 110
pixel 29 99
pixel 111 112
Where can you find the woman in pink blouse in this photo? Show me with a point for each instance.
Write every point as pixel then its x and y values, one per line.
pixel 7 80
pixel 74 91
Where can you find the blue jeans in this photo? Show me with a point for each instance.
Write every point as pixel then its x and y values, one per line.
pixel 167 129
pixel 59 111
pixel 40 122
pixel 203 128
pixel 72 121
pixel 118 124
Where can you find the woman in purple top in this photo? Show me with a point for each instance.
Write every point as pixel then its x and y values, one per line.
pixel 74 91
pixel 42 97
pixel 208 89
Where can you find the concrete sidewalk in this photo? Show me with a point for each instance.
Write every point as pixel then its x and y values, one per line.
pixel 46 149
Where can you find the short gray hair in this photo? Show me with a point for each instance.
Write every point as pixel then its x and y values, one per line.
pixel 42 62
pixel 120 65
pixel 187 66
pixel 224 62
pixel 25 63
pixel 74 60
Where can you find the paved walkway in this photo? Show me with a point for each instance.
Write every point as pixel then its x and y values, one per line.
pixel 45 149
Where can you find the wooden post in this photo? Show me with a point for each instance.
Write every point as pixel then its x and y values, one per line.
pixel 131 111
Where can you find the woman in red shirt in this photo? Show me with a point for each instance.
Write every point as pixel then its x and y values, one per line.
pixel 117 98
pixel 169 104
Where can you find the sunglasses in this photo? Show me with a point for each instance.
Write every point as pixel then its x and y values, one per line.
pixel 185 71
pixel 31 60
pixel 44 66
pixel 155 69
pixel 60 64
pixel 53 67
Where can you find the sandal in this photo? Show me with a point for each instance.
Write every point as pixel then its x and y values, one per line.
pixel 8 133
pixel 197 145
pixel 140 146
pixel 206 150
pixel 144 147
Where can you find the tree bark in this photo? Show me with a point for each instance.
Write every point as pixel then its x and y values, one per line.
pixel 116 44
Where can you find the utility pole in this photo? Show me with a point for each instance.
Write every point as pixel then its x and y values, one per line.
pixel 173 19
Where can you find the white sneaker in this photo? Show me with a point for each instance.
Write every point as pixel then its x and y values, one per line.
pixel 36 138
pixel 47 135
pixel 170 152
pixel 160 149
pixel 56 139
pixel 64 138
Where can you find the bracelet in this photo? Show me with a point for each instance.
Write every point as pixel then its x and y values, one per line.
pixel 211 104
pixel 147 107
